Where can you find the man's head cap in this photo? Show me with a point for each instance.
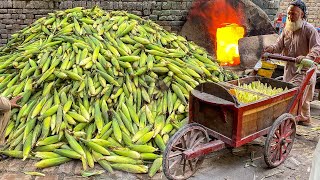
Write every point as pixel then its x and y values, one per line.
pixel 300 4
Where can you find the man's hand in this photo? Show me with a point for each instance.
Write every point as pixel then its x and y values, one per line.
pixel 299 59
pixel 268 49
pixel 14 100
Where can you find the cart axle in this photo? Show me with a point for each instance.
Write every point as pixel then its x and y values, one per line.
pixel 204 149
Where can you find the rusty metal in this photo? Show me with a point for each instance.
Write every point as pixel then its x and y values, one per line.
pixel 204 149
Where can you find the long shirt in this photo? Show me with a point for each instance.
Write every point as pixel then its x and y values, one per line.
pixel 302 42
pixel 5 104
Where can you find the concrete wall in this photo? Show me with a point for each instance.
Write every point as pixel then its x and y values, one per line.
pixel 271 7
pixel 16 14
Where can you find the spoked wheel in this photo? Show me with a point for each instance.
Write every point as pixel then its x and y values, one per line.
pixel 280 140
pixel 175 166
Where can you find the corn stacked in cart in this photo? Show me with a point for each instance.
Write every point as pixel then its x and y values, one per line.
pixel 255 86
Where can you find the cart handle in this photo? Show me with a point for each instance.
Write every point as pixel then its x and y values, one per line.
pixel 278 57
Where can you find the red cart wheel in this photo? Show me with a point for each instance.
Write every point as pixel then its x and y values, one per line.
pixel 175 166
pixel 280 140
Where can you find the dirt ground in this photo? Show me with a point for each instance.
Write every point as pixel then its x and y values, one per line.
pixel 237 164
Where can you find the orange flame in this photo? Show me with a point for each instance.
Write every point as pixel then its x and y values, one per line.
pixel 225 21
pixel 227 44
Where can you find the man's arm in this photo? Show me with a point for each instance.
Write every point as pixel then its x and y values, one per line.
pixel 277 47
pixel 314 44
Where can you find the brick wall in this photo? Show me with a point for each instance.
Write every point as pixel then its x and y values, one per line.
pixel 313 7
pixel 16 14
pixel 171 14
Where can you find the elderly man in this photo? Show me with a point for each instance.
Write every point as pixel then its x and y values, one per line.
pixel 5 111
pixel 301 40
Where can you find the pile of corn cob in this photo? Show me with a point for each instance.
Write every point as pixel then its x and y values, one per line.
pixel 105 87
pixel 256 86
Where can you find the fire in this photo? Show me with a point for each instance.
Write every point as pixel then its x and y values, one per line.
pixel 224 23
pixel 227 44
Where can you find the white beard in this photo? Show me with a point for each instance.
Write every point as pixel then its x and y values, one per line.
pixel 293 26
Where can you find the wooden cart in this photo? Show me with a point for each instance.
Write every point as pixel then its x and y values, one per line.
pixel 217 120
